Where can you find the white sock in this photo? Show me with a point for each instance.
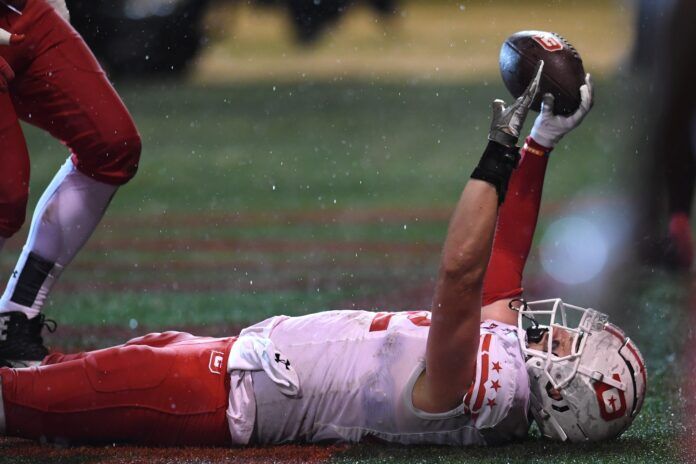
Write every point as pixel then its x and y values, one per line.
pixel 65 217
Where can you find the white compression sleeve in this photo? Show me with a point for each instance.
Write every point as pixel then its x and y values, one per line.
pixel 65 217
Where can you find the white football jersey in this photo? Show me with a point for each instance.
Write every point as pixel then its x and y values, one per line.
pixel 356 371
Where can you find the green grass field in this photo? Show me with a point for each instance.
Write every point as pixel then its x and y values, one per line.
pixel 268 196
pixel 265 191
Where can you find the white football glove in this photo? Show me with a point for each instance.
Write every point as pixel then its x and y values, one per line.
pixel 61 8
pixel 549 128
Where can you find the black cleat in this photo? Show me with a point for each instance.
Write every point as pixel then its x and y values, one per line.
pixel 21 344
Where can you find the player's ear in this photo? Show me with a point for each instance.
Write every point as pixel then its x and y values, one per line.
pixel 555 394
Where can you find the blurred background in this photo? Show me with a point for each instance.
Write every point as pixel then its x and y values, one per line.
pixel 304 154
pixel 223 40
pixel 301 155
pixel 332 123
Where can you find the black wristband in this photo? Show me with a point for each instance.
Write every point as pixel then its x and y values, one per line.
pixel 496 166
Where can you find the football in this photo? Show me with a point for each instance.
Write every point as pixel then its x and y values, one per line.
pixel 563 70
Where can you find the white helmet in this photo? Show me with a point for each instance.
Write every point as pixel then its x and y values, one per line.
pixel 595 391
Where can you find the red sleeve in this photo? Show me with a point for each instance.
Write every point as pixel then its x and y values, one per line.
pixel 517 221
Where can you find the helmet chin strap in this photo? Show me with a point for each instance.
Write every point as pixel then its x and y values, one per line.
pixel 596 376
pixel 540 415
pixel 599 377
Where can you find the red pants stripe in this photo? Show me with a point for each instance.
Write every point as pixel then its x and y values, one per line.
pixel 161 389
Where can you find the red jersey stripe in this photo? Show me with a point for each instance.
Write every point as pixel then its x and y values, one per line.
pixel 481 394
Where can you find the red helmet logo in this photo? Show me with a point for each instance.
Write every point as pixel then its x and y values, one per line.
pixel 548 42
pixel 612 401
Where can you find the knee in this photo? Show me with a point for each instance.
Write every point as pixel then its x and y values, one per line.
pixel 12 214
pixel 127 151
pixel 114 158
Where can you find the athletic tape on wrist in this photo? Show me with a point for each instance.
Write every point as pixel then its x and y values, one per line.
pixel 496 166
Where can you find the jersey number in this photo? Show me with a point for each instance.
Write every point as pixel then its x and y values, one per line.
pixel 381 320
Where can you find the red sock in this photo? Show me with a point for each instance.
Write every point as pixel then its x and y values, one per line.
pixel 517 221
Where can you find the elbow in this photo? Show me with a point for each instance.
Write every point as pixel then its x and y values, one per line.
pixel 465 269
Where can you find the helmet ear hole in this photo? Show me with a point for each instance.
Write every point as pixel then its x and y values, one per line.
pixel 553 393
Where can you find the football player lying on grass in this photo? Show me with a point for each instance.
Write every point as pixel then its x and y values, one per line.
pixel 468 372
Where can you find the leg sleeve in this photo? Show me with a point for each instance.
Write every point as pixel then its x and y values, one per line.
pixel 64 91
pixel 514 233
pixel 14 164
pixel 132 393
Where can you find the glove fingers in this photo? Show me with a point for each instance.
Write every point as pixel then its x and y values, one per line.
pixel 498 107
pixel 547 103
pixel 590 89
pixel 585 105
pixel 585 98
pixel 588 81
pixel 533 86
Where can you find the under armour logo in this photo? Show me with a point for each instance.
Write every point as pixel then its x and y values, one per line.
pixel 14 274
pixel 282 361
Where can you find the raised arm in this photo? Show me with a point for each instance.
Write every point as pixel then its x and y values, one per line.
pixel 454 333
pixel 517 217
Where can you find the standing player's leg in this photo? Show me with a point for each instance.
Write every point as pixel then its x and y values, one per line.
pixel 671 146
pixel 14 192
pixel 14 159
pixel 674 137
pixel 63 90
